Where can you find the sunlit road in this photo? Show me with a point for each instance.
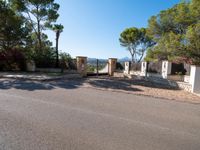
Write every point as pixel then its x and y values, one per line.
pixel 41 116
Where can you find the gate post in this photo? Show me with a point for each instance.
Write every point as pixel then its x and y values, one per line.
pixel 144 68
pixel 127 67
pixel 82 65
pixel 195 79
pixel 166 69
pixel 112 63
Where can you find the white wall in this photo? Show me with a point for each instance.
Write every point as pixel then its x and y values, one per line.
pixel 127 67
pixel 166 69
pixel 143 68
pixel 195 79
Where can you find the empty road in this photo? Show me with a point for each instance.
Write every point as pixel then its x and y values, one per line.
pixel 64 116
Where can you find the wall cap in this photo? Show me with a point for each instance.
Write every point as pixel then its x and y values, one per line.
pixel 195 66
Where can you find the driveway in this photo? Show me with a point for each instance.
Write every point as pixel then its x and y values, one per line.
pixel 67 115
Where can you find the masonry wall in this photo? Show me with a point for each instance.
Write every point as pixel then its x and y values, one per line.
pixel 195 79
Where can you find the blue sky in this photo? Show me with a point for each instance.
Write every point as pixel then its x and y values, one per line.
pixel 92 27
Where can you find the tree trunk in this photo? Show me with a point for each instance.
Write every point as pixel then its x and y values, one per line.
pixel 142 55
pixel 39 36
pixel 132 57
pixel 132 61
pixel 57 55
pixel 39 31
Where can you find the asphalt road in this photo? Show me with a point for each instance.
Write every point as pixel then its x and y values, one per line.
pixel 62 116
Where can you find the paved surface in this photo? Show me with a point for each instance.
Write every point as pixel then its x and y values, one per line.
pixel 39 76
pixel 64 116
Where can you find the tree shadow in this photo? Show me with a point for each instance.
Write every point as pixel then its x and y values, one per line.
pixel 67 84
pixel 128 84
pixel 28 85
pixel 109 83
pixel 112 84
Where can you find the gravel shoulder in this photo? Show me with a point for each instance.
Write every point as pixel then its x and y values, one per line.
pixel 143 87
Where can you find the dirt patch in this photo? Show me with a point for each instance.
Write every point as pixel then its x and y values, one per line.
pixel 142 87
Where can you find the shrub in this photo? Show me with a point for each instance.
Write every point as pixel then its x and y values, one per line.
pixel 66 61
pixel 45 59
pixel 12 60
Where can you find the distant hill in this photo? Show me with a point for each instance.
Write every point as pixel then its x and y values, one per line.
pixel 94 60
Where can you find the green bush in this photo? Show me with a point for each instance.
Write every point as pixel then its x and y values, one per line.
pixel 66 61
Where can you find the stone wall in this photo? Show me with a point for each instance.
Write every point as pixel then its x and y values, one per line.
pixel 195 79
pixel 176 77
pixel 30 66
pixel 190 83
pixel 185 86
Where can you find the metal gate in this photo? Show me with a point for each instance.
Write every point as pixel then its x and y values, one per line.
pixel 97 67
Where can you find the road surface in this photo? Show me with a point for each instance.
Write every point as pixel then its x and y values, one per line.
pixel 42 116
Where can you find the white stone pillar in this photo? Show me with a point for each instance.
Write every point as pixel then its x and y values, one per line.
pixel 30 66
pixel 143 68
pixel 195 79
pixel 127 67
pixel 166 69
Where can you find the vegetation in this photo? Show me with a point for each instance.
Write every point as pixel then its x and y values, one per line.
pixel 57 28
pixel 66 61
pixel 22 26
pixel 136 41
pixel 12 30
pixel 173 34
pixel 12 35
pixel 176 32
pixel 38 15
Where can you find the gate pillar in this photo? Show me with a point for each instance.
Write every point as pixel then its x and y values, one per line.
pixel 166 69
pixel 127 67
pixel 82 65
pixel 195 79
pixel 144 68
pixel 112 63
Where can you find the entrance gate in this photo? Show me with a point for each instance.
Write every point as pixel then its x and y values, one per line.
pixel 97 67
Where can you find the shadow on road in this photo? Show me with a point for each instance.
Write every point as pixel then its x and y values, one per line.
pixel 111 83
pixel 34 85
pixel 128 84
